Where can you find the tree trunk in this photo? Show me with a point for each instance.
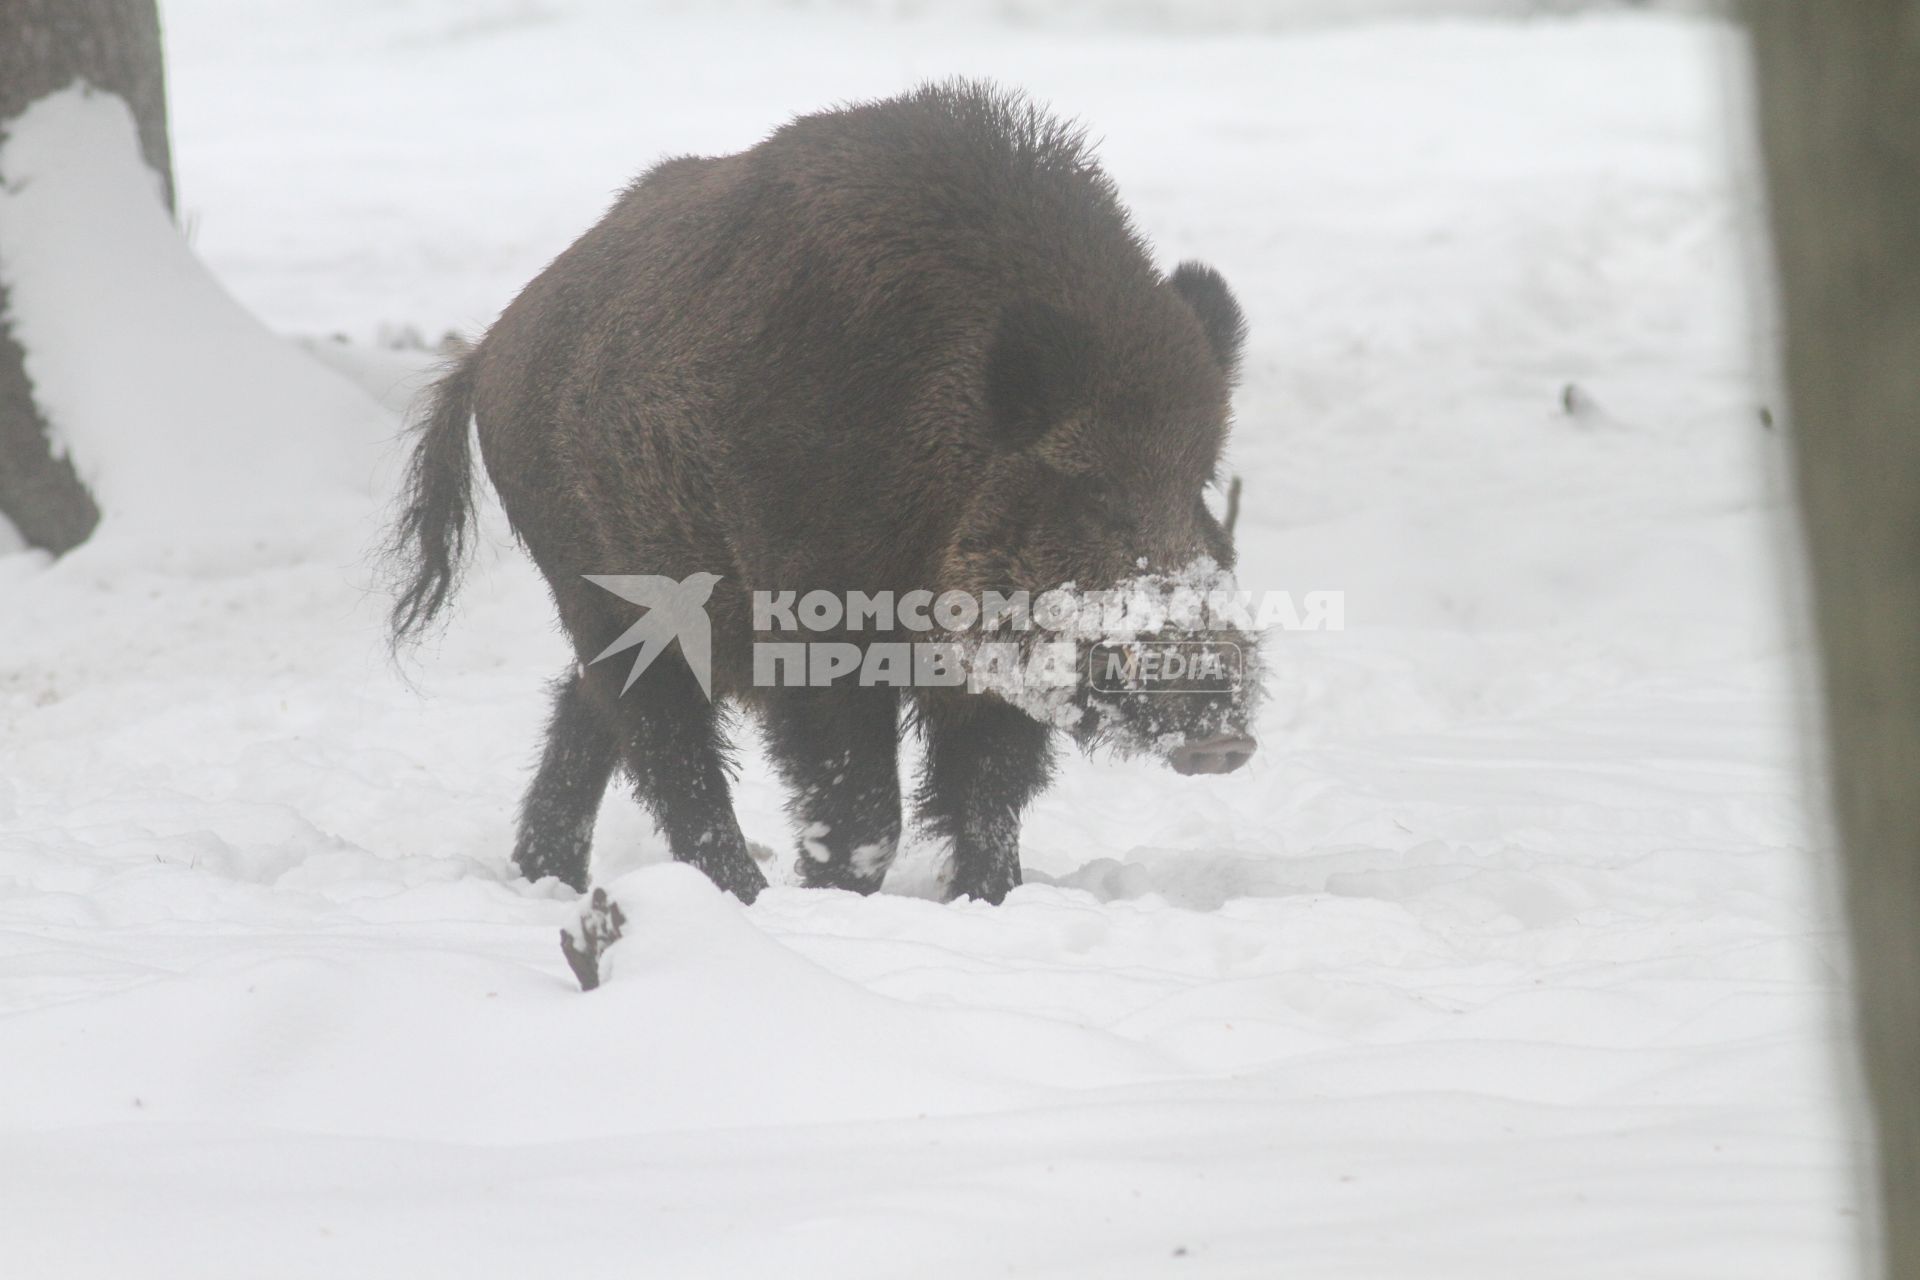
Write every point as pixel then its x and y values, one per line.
pixel 45 45
pixel 1839 102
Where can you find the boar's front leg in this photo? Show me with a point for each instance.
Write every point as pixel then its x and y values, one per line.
pixel 675 753
pixel 838 751
pixel 985 762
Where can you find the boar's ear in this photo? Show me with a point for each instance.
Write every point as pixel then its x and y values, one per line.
pixel 1207 293
pixel 1038 370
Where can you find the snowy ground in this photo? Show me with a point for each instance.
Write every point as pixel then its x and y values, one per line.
pixel 1509 956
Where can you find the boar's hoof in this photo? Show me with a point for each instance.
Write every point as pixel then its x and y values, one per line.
pixel 598 928
pixel 1214 755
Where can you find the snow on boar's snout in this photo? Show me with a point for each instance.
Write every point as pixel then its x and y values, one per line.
pixel 1181 685
pixel 1197 723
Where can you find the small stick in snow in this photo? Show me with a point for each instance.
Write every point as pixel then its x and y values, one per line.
pixel 598 928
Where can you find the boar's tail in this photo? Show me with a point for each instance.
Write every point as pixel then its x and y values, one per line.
pixel 429 542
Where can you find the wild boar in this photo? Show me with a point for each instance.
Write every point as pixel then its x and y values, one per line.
pixel 913 345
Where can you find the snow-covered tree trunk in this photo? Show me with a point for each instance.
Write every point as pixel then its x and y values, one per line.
pixel 45 45
pixel 1839 97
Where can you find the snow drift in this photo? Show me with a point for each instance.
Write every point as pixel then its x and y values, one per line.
pixel 198 432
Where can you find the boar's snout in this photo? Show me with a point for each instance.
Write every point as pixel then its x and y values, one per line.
pixel 1214 755
pixel 1222 754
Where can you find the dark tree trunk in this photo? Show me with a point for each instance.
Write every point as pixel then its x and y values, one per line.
pixel 1839 100
pixel 46 45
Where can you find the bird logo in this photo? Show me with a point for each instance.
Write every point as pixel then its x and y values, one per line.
pixel 675 611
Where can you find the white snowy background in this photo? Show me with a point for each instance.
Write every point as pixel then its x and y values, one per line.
pixel 1512 953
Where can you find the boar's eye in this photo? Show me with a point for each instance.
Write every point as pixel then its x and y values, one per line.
pixel 1039 367
pixel 1123 520
pixel 1095 504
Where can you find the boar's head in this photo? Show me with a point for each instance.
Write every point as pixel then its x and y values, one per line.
pixel 1106 426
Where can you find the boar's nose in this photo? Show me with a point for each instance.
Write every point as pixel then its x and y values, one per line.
pixel 1213 755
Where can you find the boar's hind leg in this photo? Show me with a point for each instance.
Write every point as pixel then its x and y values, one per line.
pixel 838 751
pixel 677 757
pixel 985 761
pixel 557 816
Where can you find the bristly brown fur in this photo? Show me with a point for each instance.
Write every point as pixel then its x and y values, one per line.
pixel 900 345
